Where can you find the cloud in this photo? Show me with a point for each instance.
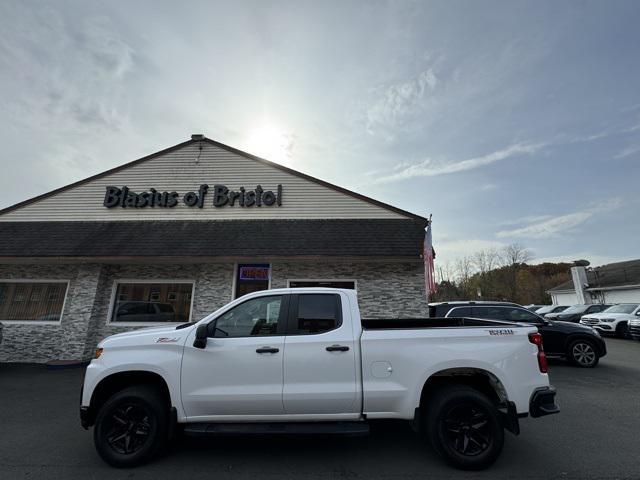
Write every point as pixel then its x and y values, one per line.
pixel 627 152
pixel 431 168
pixel 75 69
pixel 593 258
pixel 396 101
pixel 551 227
pixel 448 251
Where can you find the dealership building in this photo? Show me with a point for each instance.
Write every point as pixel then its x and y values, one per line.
pixel 177 234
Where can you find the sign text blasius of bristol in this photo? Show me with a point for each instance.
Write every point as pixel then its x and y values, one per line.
pixel 221 196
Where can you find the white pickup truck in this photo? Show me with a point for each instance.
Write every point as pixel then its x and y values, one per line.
pixel 303 361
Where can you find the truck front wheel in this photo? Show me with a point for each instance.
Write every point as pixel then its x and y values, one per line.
pixel 131 427
pixel 463 427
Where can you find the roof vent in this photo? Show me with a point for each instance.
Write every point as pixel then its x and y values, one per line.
pixel 197 136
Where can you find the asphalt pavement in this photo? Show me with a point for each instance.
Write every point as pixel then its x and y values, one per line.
pixel 594 436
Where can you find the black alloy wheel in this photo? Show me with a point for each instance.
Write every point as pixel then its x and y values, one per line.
pixel 466 427
pixel 463 426
pixel 132 426
pixel 127 428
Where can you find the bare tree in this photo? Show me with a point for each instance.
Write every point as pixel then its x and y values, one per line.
pixel 464 268
pixel 486 260
pixel 515 254
pixel 445 273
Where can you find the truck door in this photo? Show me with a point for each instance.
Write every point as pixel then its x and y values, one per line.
pixel 239 372
pixel 320 357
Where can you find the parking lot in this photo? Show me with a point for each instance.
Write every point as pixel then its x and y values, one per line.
pixel 594 436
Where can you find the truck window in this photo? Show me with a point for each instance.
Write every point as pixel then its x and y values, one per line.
pixel 316 313
pixel 459 312
pixel 255 317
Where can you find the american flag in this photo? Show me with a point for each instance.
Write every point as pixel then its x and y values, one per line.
pixel 428 255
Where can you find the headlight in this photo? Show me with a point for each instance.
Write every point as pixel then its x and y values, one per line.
pixel 98 352
pixel 608 319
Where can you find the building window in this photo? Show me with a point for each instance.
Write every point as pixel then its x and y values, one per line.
pixel 350 284
pixel 151 302
pixel 252 277
pixel 32 300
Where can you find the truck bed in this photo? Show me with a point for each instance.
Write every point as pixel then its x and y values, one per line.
pixel 433 322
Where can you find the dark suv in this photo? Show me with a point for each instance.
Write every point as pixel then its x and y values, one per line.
pixel 582 346
pixel 575 312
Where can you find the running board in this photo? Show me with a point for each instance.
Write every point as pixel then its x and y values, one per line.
pixel 297 428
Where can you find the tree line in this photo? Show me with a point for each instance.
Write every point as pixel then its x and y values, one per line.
pixel 501 275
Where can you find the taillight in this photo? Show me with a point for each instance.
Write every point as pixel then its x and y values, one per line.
pixel 536 339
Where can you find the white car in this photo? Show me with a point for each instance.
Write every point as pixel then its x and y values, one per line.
pixel 302 361
pixel 614 319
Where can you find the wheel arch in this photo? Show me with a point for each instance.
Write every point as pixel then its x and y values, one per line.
pixel 581 336
pixel 118 381
pixel 477 378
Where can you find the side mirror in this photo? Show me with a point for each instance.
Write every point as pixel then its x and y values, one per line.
pixel 638 313
pixel 201 336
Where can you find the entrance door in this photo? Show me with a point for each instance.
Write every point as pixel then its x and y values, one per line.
pixel 239 372
pixel 320 358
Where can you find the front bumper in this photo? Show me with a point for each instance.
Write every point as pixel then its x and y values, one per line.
pixel 543 402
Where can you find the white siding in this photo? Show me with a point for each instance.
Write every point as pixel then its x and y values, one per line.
pixel 178 171
pixel 564 298
pixel 622 296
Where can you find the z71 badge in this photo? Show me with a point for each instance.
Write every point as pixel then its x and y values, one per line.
pixel 502 331
pixel 167 340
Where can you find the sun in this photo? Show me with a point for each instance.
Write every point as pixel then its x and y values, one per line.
pixel 270 142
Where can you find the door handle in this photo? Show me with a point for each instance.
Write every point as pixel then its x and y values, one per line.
pixel 267 350
pixel 337 348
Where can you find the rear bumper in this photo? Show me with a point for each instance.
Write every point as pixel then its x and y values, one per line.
pixel 543 402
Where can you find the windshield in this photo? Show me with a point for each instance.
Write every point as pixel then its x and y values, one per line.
pixel 547 309
pixel 576 309
pixel 622 308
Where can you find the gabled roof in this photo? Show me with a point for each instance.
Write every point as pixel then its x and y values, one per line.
pixel 617 274
pixel 229 149
pixel 388 238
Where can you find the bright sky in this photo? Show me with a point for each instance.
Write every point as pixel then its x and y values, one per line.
pixel 508 121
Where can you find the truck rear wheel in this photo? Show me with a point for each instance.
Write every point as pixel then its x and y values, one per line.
pixel 131 427
pixel 463 427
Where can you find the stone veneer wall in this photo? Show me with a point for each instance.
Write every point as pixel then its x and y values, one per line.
pixel 384 290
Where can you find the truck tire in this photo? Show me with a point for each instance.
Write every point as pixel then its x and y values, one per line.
pixel 131 427
pixel 583 353
pixel 463 427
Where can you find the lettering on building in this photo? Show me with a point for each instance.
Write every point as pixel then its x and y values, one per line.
pixel 219 196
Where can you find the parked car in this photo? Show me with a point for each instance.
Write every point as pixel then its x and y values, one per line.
pixel 579 344
pixel 634 327
pixel 138 311
pixel 301 360
pixel 575 312
pixel 534 308
pixel 614 319
pixel 551 309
